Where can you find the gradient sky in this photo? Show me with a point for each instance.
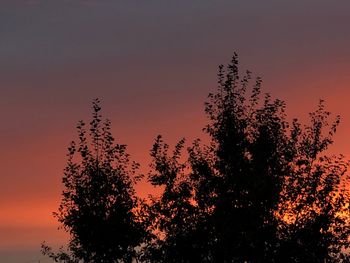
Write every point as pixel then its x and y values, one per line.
pixel 152 64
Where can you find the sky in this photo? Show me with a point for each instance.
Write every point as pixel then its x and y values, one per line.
pixel 152 64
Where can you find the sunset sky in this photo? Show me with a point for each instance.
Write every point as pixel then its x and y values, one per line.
pixel 152 64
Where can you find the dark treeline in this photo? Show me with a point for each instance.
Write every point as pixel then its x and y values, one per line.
pixel 262 189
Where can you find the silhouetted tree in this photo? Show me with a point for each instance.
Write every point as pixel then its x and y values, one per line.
pixel 249 160
pixel 173 214
pixel 315 199
pixel 220 205
pixel 279 197
pixel 259 191
pixel 99 208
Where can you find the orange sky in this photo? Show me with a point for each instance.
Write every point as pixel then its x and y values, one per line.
pixel 152 65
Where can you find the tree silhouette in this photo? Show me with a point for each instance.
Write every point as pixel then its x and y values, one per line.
pixel 173 215
pixel 248 163
pixel 261 190
pixel 315 198
pixel 99 207
pixel 223 208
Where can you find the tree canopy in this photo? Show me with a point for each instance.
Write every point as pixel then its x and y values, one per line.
pixel 99 206
pixel 262 188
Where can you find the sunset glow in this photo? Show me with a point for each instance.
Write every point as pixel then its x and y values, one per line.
pixel 152 64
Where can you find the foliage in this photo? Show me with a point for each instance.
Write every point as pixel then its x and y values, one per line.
pixel 315 199
pixel 261 190
pixel 249 145
pixel 174 214
pixel 99 207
